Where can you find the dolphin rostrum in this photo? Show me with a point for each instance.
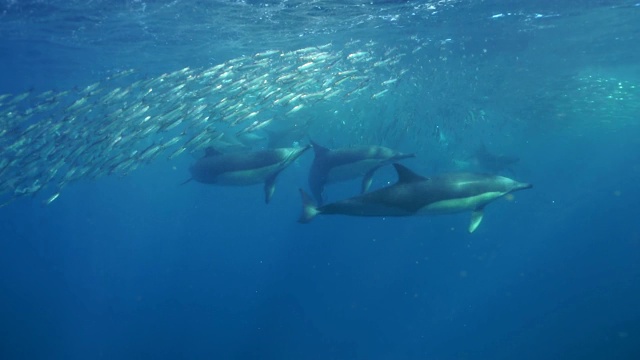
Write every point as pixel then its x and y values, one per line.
pixel 413 194
pixel 334 165
pixel 245 168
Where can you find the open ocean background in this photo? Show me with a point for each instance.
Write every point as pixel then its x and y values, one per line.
pixel 137 267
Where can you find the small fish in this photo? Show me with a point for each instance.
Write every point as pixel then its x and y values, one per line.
pixel 381 63
pixel 357 55
pixel 52 198
pixel 122 73
pixel 256 125
pixel 284 99
pixel 306 66
pixel 173 141
pixel 347 72
pixel 324 47
pixel 294 99
pixel 305 50
pixel 379 94
pixel 267 53
pixel 77 104
pixel 89 89
pixel 213 70
pixel 331 94
pixel 295 109
pixel 177 152
pixel 286 78
pixel 339 82
pixel 390 81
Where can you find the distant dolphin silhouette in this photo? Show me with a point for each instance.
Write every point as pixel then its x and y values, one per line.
pixel 245 168
pixel 334 165
pixel 493 163
pixel 413 195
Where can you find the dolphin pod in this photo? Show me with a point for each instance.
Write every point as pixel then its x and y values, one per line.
pixel 414 194
pixel 411 195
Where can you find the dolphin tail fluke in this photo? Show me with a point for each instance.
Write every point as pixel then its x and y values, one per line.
pixel 476 219
pixel 309 211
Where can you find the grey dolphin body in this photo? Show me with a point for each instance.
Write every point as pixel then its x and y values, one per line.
pixel 245 168
pixel 413 194
pixel 348 163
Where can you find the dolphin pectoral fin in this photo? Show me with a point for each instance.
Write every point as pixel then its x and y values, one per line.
pixel 476 219
pixel 269 188
pixel 309 211
pixel 368 179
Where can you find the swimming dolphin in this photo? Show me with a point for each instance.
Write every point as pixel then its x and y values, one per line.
pixel 413 194
pixel 348 163
pixel 491 162
pixel 245 168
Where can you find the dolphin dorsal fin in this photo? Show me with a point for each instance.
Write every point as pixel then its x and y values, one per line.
pixel 405 175
pixel 319 149
pixel 211 151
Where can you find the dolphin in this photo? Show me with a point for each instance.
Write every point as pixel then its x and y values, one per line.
pixel 492 163
pixel 414 194
pixel 348 163
pixel 244 168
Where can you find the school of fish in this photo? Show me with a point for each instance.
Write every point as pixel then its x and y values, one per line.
pixel 114 126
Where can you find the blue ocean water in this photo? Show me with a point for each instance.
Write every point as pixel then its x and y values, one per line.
pixel 139 266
